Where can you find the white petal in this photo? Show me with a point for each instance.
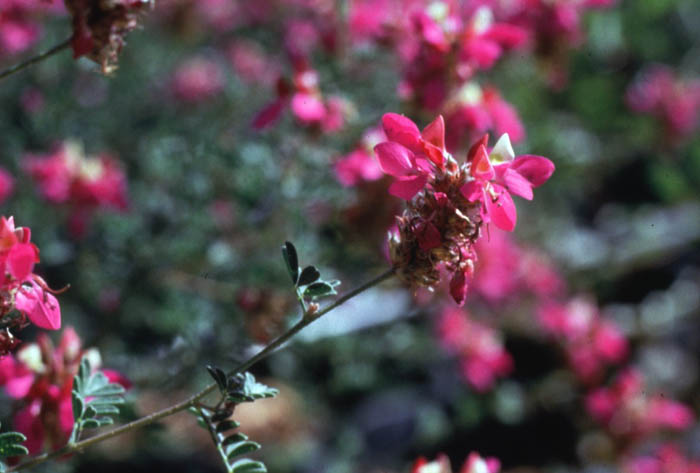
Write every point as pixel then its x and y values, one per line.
pixel 503 151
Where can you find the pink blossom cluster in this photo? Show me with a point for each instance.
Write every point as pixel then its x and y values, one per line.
pixel 473 464
pixel 23 294
pixel 448 202
pixel 83 183
pixel 478 347
pixel 591 342
pixel 197 80
pixel 20 24
pixel 40 378
pixel 629 410
pixel 361 165
pixel 506 270
pixel 666 458
pixel 671 100
pixel 303 97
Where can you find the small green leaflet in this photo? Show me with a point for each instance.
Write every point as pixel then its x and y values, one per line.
pixel 11 444
pixel 307 282
pixel 94 399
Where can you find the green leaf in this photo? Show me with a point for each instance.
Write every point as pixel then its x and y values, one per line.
pixel 226 425
pixel 104 409
pixel 78 405
pixel 241 448
pixel 319 289
pixel 96 382
pixel 222 414
pixel 233 438
pixel 246 465
pixel 107 400
pixel 90 424
pixel 219 376
pixel 308 275
pixel 10 445
pixel 112 389
pixel 289 253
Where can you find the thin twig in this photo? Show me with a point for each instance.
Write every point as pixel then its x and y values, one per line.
pixel 33 60
pixel 306 320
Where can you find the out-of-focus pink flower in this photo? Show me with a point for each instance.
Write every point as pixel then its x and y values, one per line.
pixel 307 104
pixel 673 101
pixel 629 410
pixel 474 110
pixel 67 176
pixel 40 378
pixel 667 458
pixel 591 342
pixel 7 185
pixel 479 348
pixel 251 64
pixel 197 79
pixel 473 464
pixel 20 24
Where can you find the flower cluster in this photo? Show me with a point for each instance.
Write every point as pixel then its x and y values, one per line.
pixel 67 176
pixel 665 459
pixel 304 98
pixel 482 356
pixel 20 28
pixel 673 101
pixel 473 464
pixel 628 410
pixel 447 203
pixel 591 342
pixel 99 27
pixel 40 377
pixel 23 294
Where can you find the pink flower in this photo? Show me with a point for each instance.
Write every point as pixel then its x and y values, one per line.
pixel 480 350
pixel 83 183
pixel 473 464
pixel 492 185
pixel 408 153
pixel 658 92
pixel 197 79
pixel 627 409
pixel 667 458
pixel 40 377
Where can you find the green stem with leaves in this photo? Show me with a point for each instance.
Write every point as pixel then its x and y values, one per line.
pixel 33 60
pixel 192 401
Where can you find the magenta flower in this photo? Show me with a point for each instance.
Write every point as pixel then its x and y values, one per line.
pixel 492 185
pixel 474 463
pixel 20 288
pixel 408 154
pixel 197 80
pixel 479 348
pixel 629 410
pixel 40 378
pixel 667 458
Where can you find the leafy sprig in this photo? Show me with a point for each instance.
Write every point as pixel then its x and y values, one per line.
pixel 11 446
pixel 307 281
pixel 231 444
pixel 95 400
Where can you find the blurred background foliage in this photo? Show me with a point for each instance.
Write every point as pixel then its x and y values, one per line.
pixel 191 273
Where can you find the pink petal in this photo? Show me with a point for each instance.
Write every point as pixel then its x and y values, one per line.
pixel 458 287
pixel 269 115
pixel 28 422
pixel 19 385
pixel 483 51
pixel 407 187
pixel 535 169
pixel 515 183
pixel 402 130
pixel 502 212
pixel 434 133
pixel 308 108
pixel 394 159
pixel 481 166
pixel 65 415
pixel 507 35
pixel 473 191
pixel 39 306
pixel 21 259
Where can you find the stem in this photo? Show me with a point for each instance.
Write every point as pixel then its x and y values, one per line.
pixel 191 401
pixel 33 60
pixel 214 437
